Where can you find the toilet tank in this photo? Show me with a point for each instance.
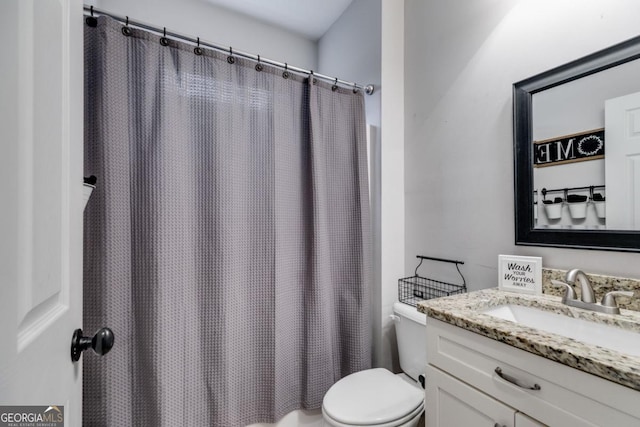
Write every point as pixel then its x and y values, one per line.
pixel 411 334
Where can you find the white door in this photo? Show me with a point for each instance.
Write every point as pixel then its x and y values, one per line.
pixel 41 114
pixel 452 403
pixel 622 162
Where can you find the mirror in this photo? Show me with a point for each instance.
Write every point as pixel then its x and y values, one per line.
pixel 577 153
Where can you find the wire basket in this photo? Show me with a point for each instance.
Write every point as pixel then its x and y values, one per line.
pixel 414 289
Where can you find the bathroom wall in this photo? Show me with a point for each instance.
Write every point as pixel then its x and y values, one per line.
pixel 350 50
pixel 461 59
pixel 392 160
pixel 220 26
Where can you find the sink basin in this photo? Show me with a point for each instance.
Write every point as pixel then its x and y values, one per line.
pixel 606 336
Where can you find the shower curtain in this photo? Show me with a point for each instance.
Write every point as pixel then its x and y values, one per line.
pixel 227 243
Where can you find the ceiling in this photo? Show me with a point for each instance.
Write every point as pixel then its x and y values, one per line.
pixel 310 18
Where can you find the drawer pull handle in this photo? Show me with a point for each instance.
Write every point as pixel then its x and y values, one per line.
pixel 498 425
pixel 515 381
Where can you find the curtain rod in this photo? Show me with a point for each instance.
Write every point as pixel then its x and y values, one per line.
pixel 368 89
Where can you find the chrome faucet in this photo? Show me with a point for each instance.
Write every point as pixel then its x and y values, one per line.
pixel 586 291
pixel 608 305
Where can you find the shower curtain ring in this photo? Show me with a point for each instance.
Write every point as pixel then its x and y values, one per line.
pixel 312 79
pixel 163 40
pixel 355 88
pixel 197 50
pixel 259 66
pixel 91 20
pixel 285 73
pixel 335 85
pixel 230 58
pixel 126 30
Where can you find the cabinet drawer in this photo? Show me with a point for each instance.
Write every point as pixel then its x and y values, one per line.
pixel 453 403
pixel 566 396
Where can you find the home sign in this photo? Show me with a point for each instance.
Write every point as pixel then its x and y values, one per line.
pixel 569 148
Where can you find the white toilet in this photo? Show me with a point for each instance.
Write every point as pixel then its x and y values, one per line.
pixel 377 397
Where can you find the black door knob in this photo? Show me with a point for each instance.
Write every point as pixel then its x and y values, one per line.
pixel 101 343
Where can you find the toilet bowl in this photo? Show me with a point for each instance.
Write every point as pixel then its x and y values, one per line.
pixel 377 397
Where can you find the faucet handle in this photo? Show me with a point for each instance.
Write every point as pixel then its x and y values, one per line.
pixel 569 292
pixel 609 299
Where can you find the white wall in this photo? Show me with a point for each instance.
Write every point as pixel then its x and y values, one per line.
pixel 220 26
pixel 350 50
pixel 392 197
pixel 461 59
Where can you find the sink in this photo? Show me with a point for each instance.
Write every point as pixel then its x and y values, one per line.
pixel 606 336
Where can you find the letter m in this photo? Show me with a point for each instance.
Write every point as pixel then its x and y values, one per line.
pixel 566 152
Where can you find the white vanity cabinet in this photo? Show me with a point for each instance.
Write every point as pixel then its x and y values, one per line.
pixel 463 388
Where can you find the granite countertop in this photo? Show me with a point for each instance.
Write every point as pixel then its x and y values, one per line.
pixel 463 310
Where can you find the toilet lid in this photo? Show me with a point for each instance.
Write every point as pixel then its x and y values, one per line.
pixel 373 396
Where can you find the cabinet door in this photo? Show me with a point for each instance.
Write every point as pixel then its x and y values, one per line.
pixel 452 403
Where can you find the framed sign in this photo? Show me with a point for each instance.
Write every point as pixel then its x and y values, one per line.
pixel 569 148
pixel 521 274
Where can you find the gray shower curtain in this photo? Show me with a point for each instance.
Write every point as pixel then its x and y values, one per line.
pixel 227 243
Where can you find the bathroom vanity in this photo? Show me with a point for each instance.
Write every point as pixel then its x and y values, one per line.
pixel 485 370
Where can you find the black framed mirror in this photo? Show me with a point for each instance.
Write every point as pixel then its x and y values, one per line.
pixel 559 127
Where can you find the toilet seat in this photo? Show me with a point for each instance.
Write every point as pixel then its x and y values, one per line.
pixel 374 397
pixel 406 420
